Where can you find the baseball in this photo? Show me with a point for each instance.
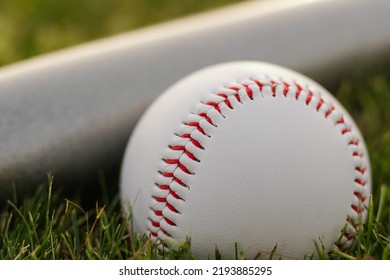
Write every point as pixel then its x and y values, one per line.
pixel 248 155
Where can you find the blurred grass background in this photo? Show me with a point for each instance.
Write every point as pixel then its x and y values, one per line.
pixel 33 27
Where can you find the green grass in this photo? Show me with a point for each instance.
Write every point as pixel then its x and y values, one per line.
pixel 53 224
pixel 47 226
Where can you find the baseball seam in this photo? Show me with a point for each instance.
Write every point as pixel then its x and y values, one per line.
pixel 167 195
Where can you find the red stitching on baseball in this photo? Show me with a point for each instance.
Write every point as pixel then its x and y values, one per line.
pixel 260 85
pixel 309 97
pixel 340 120
pixel 180 182
pixel 360 196
pixel 204 115
pixel 360 182
pixel 197 125
pixel 171 161
pixel 165 232
pixel 249 91
pixel 163 187
pixel 190 155
pixel 155 224
pixel 327 113
pixel 172 208
pixel 357 209
pixel 361 170
pixel 354 142
pixel 224 95
pixel 273 87
pixel 184 168
pixel 160 199
pixel 196 143
pixel 236 89
pixel 170 222
pixel 298 91
pixel 185 135
pixel 227 102
pixel 356 154
pixel 177 148
pixel 215 105
pixel 285 88
pixel 167 174
pixel 345 130
pixel 175 195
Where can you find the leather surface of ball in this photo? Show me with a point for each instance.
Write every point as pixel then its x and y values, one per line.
pixel 248 153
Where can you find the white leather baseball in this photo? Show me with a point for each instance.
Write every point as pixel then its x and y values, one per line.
pixel 248 153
